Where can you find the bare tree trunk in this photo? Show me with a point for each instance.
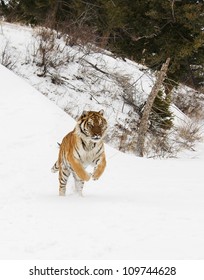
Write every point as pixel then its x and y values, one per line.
pixel 147 109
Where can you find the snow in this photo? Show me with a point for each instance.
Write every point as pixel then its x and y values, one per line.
pixel 139 209
pixel 88 78
pixel 80 86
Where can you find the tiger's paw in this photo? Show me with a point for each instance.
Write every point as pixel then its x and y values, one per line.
pixel 62 192
pixel 95 177
pixel 86 177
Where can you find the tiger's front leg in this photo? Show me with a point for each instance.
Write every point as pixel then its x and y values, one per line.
pixel 79 184
pixel 78 168
pixel 99 168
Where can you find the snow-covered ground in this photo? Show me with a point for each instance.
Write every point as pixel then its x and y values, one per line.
pixel 81 78
pixel 78 78
pixel 140 208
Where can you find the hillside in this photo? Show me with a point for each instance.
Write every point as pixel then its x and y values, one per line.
pixel 79 77
pixel 139 209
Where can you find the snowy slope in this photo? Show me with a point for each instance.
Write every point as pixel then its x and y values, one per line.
pixel 89 78
pixel 139 209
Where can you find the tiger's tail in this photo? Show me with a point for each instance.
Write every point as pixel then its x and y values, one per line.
pixel 55 167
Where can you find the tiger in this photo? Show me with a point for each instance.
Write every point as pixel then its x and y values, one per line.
pixel 80 148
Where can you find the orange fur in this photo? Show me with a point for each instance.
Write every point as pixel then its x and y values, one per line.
pixel 67 147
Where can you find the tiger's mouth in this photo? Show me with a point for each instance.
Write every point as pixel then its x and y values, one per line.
pixel 96 138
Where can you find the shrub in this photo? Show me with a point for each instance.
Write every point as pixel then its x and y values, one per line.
pixel 50 53
pixel 161 117
pixel 189 133
pixel 6 57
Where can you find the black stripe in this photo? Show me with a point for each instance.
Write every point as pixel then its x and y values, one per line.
pixel 62 182
pixel 65 174
pixel 84 145
pixel 78 153
pixel 96 161
pixel 99 149
pixel 82 130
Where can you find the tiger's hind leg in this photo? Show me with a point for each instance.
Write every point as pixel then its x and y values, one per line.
pixel 79 184
pixel 63 177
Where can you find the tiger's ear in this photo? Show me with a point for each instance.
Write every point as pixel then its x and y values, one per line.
pixel 101 112
pixel 84 114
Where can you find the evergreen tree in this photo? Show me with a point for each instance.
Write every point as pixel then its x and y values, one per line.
pixel 147 31
pixel 161 116
pixel 157 29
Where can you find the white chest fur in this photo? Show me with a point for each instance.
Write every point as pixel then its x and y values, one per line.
pixel 89 152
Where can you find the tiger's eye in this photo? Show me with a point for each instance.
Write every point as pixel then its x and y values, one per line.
pixel 90 125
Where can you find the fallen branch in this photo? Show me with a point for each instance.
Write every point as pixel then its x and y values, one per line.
pixel 96 67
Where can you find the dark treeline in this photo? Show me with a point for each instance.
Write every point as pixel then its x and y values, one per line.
pixel 147 31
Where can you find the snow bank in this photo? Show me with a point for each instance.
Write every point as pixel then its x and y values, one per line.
pixel 139 209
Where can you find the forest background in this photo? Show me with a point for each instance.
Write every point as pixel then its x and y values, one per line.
pixel 147 31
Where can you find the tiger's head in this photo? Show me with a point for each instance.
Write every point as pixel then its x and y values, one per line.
pixel 92 125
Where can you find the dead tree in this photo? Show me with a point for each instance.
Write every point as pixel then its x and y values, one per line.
pixel 143 127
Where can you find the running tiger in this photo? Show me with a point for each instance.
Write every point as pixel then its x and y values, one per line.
pixel 80 148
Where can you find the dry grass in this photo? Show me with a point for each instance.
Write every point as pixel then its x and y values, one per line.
pixel 189 133
pixel 6 57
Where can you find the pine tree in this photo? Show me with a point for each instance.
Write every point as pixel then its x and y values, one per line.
pixel 161 117
pixel 147 31
pixel 157 29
